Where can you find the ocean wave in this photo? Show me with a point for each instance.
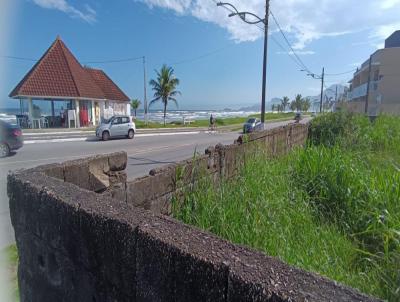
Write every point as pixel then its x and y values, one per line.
pixel 172 116
pixel 8 118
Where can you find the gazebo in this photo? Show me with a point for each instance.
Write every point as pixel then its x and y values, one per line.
pixel 59 92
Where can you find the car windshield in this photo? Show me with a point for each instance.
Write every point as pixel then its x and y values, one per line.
pixel 106 120
pixel 251 121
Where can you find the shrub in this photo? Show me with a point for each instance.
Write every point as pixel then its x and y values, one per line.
pixel 328 129
pixel 332 207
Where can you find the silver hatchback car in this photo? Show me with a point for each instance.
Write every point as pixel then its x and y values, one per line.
pixel 116 126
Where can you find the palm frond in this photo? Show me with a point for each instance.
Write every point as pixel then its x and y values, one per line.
pixel 153 101
pixel 173 100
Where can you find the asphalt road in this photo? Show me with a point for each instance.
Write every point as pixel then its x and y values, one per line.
pixel 144 153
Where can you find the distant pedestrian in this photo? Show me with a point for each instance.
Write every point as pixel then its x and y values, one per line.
pixel 212 123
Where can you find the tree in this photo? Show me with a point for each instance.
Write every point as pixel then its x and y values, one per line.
pixel 285 103
pixel 293 106
pixel 273 107
pixel 164 88
pixel 328 104
pixel 306 105
pixel 297 103
pixel 135 104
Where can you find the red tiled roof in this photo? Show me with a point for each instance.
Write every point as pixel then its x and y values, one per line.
pixel 110 89
pixel 59 74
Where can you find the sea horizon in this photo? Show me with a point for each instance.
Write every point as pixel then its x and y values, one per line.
pixel 157 115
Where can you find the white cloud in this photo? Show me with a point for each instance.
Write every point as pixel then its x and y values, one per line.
pixel 89 15
pixel 179 6
pixel 388 4
pixel 303 21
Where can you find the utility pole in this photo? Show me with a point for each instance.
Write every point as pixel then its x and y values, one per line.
pixel 264 80
pixel 145 90
pixel 368 84
pixel 255 20
pixel 336 95
pixel 322 89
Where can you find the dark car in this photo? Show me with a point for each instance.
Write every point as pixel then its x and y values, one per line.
pixel 252 124
pixel 10 138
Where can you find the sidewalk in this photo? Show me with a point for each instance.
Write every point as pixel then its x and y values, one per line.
pixel 91 130
pixel 37 136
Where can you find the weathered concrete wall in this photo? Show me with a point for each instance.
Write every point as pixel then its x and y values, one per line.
pixel 76 245
pixel 154 191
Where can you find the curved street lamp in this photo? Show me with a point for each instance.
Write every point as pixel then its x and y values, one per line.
pixel 257 20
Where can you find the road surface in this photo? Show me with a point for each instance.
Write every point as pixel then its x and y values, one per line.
pixel 145 152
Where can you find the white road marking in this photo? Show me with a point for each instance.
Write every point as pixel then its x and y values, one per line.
pixel 89 131
pixel 79 139
pixel 54 133
pixel 133 153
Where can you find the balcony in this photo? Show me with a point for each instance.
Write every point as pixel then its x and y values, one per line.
pixel 358 91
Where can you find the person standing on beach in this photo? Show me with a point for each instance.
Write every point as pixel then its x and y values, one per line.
pixel 212 122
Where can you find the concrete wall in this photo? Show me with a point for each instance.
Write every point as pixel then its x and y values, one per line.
pixel 78 245
pixel 154 191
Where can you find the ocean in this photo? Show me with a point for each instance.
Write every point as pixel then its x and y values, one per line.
pixel 8 114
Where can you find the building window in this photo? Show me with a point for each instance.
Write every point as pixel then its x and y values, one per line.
pixel 376 75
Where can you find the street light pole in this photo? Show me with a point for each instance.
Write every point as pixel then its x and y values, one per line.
pixel 145 90
pixel 256 20
pixel 264 80
pixel 322 89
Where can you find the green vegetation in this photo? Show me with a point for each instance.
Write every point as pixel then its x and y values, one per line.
pixel 332 207
pixel 164 88
pixel 299 104
pixel 135 104
pixel 8 265
pixel 220 121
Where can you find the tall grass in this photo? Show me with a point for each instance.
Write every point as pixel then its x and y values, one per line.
pixel 332 207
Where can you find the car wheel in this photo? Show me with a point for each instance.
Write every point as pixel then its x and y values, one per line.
pixel 131 134
pixel 105 136
pixel 4 150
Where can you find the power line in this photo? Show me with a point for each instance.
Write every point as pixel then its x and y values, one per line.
pixel 114 61
pixel 19 58
pixel 298 63
pixel 202 56
pixel 288 43
pixel 341 73
pixel 86 62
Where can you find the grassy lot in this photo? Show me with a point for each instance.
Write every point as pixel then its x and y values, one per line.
pixel 220 121
pixel 332 207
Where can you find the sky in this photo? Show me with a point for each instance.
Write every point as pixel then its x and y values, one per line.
pixel 217 59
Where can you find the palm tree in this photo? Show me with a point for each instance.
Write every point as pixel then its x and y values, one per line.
pixel 306 104
pixel 293 106
pixel 285 102
pixel 298 101
pixel 135 104
pixel 165 88
pixel 273 107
